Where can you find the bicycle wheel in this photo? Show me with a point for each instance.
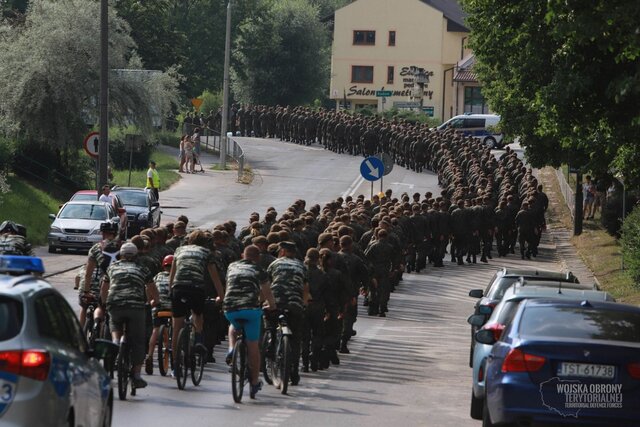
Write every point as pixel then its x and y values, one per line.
pixel 267 361
pixel 197 354
pixel 284 363
pixel 88 329
pixel 122 363
pixel 164 350
pixel 182 358
pixel 238 370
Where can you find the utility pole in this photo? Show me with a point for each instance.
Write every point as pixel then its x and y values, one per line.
pixel 577 217
pixel 103 148
pixel 225 92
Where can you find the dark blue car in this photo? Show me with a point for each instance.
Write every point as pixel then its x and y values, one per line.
pixel 565 362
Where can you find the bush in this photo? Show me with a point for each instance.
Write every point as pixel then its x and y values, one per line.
pixel 411 116
pixel 172 139
pixel 120 155
pixel 631 244
pixel 7 152
pixel 210 102
pixel 612 212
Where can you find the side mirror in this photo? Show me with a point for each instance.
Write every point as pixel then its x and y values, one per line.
pixel 155 204
pixel 104 349
pixel 52 217
pixel 485 336
pixel 485 309
pixel 476 320
pixel 476 293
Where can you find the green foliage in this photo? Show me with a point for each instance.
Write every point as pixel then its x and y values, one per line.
pixel 166 165
pixel 563 75
pixel 631 245
pixel 281 55
pixel 612 211
pixel 410 116
pixel 120 156
pixel 30 207
pixel 210 102
pixel 170 139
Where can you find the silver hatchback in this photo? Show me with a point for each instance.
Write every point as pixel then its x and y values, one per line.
pixel 48 375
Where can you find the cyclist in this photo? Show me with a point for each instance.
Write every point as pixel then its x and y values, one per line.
pixel 289 285
pixel 161 281
pixel 101 255
pixel 247 285
pixel 125 289
pixel 191 263
pixel 13 240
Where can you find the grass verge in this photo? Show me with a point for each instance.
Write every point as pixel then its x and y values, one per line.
pixel 600 251
pixel 165 164
pixel 30 207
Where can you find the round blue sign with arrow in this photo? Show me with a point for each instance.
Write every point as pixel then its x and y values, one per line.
pixel 372 168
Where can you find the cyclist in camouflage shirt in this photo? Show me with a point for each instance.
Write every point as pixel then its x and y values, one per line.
pixel 11 241
pixel 187 280
pixel 289 285
pixel 161 281
pixel 247 285
pixel 125 288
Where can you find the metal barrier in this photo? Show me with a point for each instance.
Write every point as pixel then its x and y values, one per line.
pixel 567 191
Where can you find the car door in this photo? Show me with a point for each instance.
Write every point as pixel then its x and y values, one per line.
pixel 63 339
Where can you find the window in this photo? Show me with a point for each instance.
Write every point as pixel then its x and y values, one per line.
pixel 57 321
pixel 11 318
pixel 474 101
pixel 473 123
pixel 390 73
pixel 361 74
pixel 392 38
pixel 367 38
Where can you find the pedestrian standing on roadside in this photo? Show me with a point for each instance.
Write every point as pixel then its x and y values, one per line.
pixel 183 155
pixel 153 180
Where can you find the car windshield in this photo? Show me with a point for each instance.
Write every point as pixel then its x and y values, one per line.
pixel 10 318
pixel 84 197
pixel 133 198
pixel 77 211
pixel 581 323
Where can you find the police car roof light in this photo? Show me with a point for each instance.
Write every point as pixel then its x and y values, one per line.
pixel 20 264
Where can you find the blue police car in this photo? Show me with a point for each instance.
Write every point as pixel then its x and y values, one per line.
pixel 48 375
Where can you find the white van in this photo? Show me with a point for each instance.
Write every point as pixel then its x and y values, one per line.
pixel 476 125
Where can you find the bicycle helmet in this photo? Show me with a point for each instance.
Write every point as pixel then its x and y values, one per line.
pixel 168 260
pixel 8 227
pixel 128 250
pixel 109 227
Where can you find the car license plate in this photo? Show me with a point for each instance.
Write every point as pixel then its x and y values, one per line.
pixel 76 238
pixel 586 370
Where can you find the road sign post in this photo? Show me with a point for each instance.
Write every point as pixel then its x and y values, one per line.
pixel 372 168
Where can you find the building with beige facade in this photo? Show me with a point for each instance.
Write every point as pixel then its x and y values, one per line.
pixel 403 54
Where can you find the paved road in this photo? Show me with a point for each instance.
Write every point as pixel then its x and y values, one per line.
pixel 407 369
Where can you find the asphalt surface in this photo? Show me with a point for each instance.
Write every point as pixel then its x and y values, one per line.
pixel 410 368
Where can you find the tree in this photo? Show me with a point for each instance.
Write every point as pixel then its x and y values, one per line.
pixel 563 74
pixel 281 55
pixel 50 69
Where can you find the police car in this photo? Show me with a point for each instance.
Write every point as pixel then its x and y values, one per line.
pixel 48 375
pixel 480 126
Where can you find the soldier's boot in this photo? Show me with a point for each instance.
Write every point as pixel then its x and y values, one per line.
pixel 335 360
pixel 314 359
pixel 460 261
pixel 343 347
pixel 373 310
pixel 305 363
pixel 473 258
pixel 468 259
pixel 484 259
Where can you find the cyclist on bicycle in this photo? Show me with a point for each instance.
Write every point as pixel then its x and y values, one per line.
pixel 101 255
pixel 125 289
pixel 163 304
pixel 289 285
pixel 247 285
pixel 191 263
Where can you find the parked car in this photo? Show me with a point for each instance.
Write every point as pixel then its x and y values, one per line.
pixel 556 353
pixel 143 209
pixel 480 126
pixel 501 281
pixel 48 375
pixel 502 315
pixel 77 225
pixel 91 195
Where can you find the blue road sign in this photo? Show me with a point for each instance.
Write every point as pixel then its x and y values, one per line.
pixel 372 168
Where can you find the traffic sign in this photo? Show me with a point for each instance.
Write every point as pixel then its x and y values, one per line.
pixel 91 143
pixel 406 104
pixel 383 93
pixel 387 161
pixel 196 102
pixel 372 168
pixel 428 111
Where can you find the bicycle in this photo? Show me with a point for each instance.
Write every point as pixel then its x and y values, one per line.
pixel 189 356
pixel 277 360
pixel 240 373
pixel 124 366
pixel 165 355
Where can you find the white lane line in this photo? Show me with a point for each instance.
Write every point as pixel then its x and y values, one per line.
pixel 261 423
pixel 284 410
pixel 353 187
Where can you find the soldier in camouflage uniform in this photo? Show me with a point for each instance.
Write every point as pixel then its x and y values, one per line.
pixel 125 288
pixel 380 255
pixel 11 241
pixel 163 304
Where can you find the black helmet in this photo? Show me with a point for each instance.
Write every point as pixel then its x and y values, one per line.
pixel 9 227
pixel 109 227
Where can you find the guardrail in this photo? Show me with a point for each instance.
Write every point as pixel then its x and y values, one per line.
pixel 567 192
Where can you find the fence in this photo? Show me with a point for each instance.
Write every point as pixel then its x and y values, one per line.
pixel 567 192
pixel 211 141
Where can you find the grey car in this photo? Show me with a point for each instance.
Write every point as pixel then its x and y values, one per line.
pixel 48 375
pixel 77 225
pixel 501 316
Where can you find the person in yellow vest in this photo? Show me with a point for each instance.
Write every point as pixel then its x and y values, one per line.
pixel 153 179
